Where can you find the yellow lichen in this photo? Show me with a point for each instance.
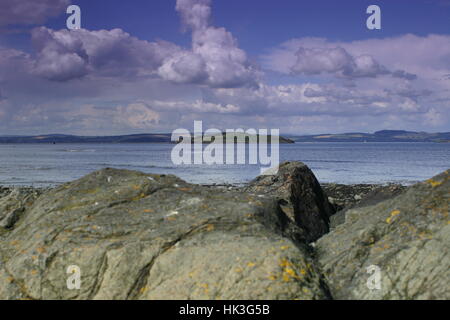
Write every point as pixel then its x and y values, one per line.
pixel 434 183
pixel 286 277
pixel 290 272
pixel 143 290
pixel 393 214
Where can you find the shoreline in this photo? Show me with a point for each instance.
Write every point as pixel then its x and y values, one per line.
pixel 341 196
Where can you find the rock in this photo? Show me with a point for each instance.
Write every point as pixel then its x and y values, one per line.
pixel 145 236
pixel 299 195
pixel 11 218
pixel 344 195
pixel 376 195
pixel 13 203
pixel 406 237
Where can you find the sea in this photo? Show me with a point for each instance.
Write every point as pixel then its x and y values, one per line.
pixel 44 165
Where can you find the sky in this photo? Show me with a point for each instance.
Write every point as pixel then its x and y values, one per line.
pixel 303 67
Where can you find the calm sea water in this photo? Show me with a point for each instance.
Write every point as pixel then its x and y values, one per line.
pixel 44 165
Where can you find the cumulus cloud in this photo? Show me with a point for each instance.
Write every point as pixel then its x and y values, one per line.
pixel 137 116
pixel 184 67
pixel 68 54
pixel 195 14
pixel 215 58
pixel 337 61
pixel 29 12
pixel 408 57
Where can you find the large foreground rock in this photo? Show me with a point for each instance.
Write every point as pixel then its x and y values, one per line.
pixel 299 195
pixel 407 238
pixel 144 236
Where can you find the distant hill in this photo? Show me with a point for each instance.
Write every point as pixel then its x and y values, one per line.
pixel 379 136
pixel 133 138
pixel 61 138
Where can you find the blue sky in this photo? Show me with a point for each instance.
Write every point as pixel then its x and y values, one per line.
pixel 259 24
pixel 156 65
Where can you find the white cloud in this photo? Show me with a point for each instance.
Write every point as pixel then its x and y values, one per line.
pixel 215 58
pixel 70 54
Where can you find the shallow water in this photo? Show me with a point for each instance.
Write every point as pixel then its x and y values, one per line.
pixel 44 165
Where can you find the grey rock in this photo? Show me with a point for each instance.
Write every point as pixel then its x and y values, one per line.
pixel 144 236
pixel 13 203
pixel 372 197
pixel 406 237
pixel 11 218
pixel 299 195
